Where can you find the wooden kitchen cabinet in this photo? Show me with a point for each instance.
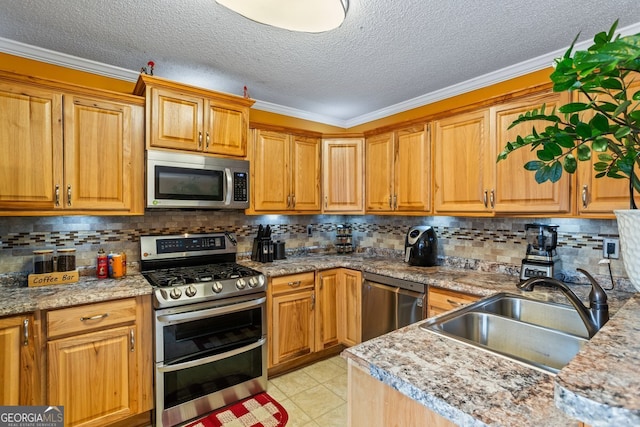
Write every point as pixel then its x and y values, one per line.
pixel 327 310
pixel 19 361
pixel 442 300
pixel 292 309
pixel 285 172
pixel 188 118
pixel 349 307
pixel 398 171
pixel 100 361
pixel 469 180
pixel 342 175
pixel 64 152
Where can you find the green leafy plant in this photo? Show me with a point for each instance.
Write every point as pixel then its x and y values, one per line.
pixel 605 123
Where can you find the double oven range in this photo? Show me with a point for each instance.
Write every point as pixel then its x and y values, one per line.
pixel 209 324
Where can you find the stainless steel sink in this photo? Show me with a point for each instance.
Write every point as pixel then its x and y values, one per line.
pixel 542 335
pixel 551 315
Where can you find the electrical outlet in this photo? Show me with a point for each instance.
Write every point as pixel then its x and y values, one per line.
pixel 611 248
pixel 309 230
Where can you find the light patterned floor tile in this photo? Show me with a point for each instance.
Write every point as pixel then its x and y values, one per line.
pixel 334 418
pixel 324 371
pixel 294 383
pixel 338 385
pixel 317 401
pixel 297 417
pixel 275 392
pixel 340 361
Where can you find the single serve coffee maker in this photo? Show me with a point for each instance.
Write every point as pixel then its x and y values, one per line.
pixel 541 259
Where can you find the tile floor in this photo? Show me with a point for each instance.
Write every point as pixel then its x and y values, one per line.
pixel 314 396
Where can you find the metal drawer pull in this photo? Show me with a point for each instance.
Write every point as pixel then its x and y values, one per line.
pixel 25 332
pixel 455 303
pixel 57 195
pixel 585 190
pixel 132 340
pixel 484 199
pixel 295 284
pixel 96 317
pixel 69 195
pixel 208 140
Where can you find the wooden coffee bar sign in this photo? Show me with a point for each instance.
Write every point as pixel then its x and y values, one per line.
pixel 55 278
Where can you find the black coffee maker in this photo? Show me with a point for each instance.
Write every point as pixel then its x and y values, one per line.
pixel 421 246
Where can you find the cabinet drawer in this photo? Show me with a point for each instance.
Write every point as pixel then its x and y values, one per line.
pixel 89 317
pixel 292 282
pixel 441 300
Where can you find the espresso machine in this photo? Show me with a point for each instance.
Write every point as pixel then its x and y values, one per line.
pixel 542 259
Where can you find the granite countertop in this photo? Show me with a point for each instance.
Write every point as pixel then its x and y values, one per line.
pixel 17 300
pixel 473 387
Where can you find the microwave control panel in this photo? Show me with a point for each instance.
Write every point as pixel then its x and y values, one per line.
pixel 240 187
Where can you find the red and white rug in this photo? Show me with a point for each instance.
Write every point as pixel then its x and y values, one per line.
pixel 260 410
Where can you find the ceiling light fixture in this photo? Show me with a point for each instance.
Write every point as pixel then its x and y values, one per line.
pixel 309 16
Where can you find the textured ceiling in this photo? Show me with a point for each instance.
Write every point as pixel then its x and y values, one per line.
pixel 385 53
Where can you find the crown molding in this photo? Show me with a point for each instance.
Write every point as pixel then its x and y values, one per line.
pixel 535 64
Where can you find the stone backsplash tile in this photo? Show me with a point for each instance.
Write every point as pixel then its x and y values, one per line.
pixel 499 240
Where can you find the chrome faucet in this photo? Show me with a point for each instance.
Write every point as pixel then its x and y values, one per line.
pixel 593 317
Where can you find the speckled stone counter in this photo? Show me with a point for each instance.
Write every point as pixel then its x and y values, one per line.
pixel 17 300
pixel 471 387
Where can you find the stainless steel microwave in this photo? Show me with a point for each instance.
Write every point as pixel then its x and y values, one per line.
pixel 178 180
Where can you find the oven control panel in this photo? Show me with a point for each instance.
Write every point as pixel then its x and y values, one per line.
pixel 169 247
pixel 190 244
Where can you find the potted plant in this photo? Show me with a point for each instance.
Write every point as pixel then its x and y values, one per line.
pixel 604 124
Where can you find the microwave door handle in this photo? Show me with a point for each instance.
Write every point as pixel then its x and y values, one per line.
pixel 228 183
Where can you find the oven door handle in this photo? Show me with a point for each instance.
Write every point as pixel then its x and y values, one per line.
pixel 215 358
pixel 169 319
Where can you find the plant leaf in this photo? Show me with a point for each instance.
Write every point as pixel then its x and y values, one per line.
pixel 573 107
pixel 533 165
pixel 570 164
pixel 600 122
pixel 584 152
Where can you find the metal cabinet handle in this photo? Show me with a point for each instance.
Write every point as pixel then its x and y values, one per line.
pixel 585 190
pixel 492 199
pixel 69 195
pixel 454 303
pixel 395 201
pixel 313 301
pixel 208 139
pixel 96 317
pixel 289 201
pixel 293 201
pixel 295 284
pixel 25 332
pixel 200 139
pixel 132 340
pixel 57 195
pixel 485 199
pixel 325 201
pixel 390 201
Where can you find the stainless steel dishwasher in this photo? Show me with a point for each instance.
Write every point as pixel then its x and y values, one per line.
pixel 389 303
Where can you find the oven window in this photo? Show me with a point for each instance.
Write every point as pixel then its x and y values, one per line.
pixel 212 335
pixel 188 184
pixel 187 384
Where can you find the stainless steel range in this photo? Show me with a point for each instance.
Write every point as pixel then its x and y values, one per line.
pixel 210 324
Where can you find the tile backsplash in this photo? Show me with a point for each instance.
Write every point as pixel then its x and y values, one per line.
pixel 500 240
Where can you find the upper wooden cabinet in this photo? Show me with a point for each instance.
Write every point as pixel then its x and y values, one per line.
pixel 94 166
pixel 467 177
pixel 285 172
pixel 398 171
pixel 19 361
pixel 342 175
pixel 187 118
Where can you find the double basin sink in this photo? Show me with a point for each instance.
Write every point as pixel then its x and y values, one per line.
pixel 542 335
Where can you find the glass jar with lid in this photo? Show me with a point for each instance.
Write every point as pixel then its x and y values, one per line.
pixel 43 261
pixel 66 259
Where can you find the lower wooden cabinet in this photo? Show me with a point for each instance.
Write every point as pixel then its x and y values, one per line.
pixel 443 300
pixel 310 313
pixel 19 361
pixel 375 404
pixel 99 361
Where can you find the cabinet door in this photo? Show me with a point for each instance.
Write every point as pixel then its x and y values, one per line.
pixel 176 120
pixel 19 368
pixel 227 130
pixel 305 179
pixel 516 189
pixel 342 168
pixel 462 171
pixel 293 325
pixel 91 375
pixel 350 307
pixel 271 171
pixel 30 147
pixel 98 154
pixel 412 170
pixel 379 173
pixel 326 313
